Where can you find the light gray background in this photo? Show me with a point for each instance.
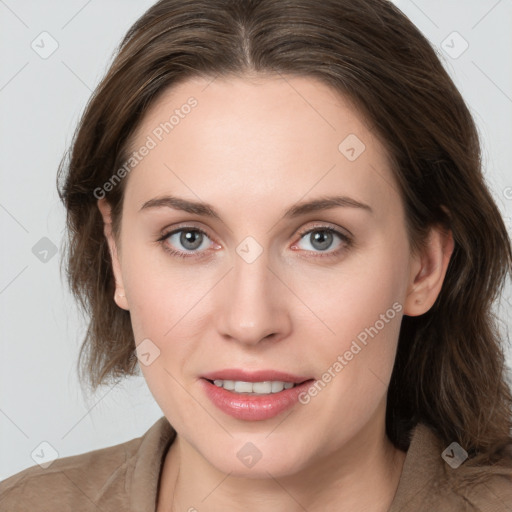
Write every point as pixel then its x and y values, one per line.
pixel 40 102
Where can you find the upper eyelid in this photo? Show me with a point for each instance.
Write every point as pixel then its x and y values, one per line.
pixel 318 226
pixel 166 232
pixel 327 227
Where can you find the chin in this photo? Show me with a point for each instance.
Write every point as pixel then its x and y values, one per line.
pixel 254 459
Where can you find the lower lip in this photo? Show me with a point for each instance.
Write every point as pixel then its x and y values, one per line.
pixel 253 407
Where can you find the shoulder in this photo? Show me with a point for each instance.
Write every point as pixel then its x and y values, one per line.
pixel 485 487
pixel 438 477
pixel 84 481
pixel 76 477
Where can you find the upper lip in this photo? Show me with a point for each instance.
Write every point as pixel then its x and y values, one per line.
pixel 254 376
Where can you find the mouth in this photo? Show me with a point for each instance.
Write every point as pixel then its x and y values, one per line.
pixel 254 388
pixel 254 397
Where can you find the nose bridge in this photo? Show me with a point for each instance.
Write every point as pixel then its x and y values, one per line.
pixel 252 308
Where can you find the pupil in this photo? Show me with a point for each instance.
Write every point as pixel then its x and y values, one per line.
pixel 322 239
pixel 191 237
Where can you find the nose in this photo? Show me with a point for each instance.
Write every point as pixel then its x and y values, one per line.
pixel 254 303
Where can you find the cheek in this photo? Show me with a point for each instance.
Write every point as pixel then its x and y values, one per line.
pixel 159 291
pixel 354 296
pixel 361 309
pixel 168 303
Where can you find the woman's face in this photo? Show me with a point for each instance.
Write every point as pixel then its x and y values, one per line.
pixel 268 287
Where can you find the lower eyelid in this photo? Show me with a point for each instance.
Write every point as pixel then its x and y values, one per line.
pixel 345 242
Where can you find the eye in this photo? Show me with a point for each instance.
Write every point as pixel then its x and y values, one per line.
pixel 190 241
pixel 321 238
pixel 193 240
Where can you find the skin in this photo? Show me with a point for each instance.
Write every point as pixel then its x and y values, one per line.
pixel 253 147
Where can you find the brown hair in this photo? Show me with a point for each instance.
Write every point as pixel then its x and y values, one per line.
pixel 449 371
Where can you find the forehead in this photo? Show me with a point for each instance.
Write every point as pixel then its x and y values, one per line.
pixel 256 138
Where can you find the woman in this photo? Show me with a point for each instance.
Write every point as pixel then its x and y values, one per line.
pixel 280 206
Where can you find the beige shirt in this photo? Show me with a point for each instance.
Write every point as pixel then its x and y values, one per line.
pixel 125 477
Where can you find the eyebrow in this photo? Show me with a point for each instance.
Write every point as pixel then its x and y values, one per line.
pixel 206 210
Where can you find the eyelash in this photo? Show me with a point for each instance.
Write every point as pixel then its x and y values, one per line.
pixel 347 242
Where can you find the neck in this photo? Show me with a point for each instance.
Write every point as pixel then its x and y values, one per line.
pixel 361 477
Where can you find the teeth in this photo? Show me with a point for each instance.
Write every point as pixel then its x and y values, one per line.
pixel 243 387
pixel 259 388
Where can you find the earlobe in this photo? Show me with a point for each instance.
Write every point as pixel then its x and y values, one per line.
pixel 120 298
pixel 119 294
pixel 428 272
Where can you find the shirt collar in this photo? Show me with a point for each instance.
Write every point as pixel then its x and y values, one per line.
pixel 422 466
pixel 143 476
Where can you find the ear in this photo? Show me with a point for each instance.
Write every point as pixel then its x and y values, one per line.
pixel 428 271
pixel 119 294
